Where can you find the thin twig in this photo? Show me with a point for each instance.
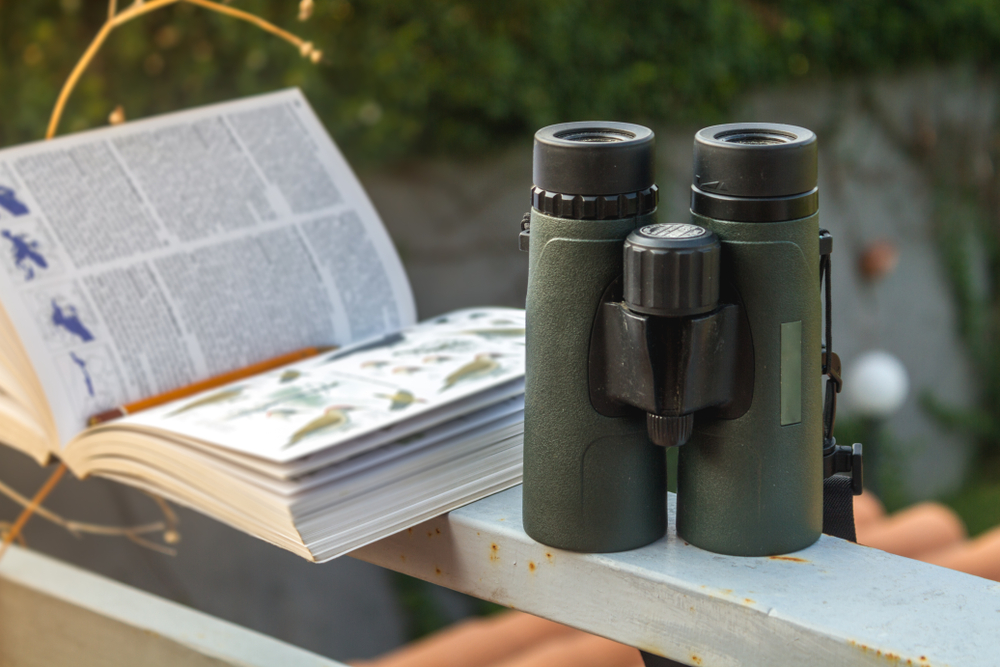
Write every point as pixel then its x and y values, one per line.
pixel 153 546
pixel 266 26
pixel 88 55
pixel 112 9
pixel 74 76
pixel 138 9
pixel 170 533
pixel 78 528
pixel 5 527
pixel 31 507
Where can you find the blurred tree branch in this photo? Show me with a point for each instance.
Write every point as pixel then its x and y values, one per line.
pixel 140 8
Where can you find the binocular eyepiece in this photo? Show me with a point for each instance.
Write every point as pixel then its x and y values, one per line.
pixel 643 335
pixel 755 172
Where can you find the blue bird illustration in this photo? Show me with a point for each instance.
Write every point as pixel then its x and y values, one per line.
pixel 9 201
pixel 83 369
pixel 25 253
pixel 69 320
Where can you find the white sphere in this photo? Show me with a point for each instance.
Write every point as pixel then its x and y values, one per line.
pixel 876 384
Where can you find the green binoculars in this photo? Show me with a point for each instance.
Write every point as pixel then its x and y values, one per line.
pixel 706 334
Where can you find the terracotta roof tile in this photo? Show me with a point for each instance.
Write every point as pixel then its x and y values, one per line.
pixel 867 509
pixel 576 650
pixel 980 556
pixel 478 642
pixel 913 531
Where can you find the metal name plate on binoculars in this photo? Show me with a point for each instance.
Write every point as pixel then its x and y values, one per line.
pixel 663 231
pixel 644 335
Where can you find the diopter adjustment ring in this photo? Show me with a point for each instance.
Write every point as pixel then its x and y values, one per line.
pixel 595 207
pixel 669 431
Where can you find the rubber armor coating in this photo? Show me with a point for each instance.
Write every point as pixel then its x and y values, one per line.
pixel 591 483
pixel 750 486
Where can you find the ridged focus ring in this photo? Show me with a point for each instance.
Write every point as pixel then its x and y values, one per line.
pixel 671 270
pixel 595 207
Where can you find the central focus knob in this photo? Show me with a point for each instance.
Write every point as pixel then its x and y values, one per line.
pixel 671 270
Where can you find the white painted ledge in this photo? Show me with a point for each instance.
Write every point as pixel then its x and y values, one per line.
pixel 833 604
pixel 56 614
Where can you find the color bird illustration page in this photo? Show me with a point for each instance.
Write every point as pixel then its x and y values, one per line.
pixel 347 393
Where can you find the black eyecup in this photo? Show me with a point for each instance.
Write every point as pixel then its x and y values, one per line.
pixel 755 172
pixel 594 158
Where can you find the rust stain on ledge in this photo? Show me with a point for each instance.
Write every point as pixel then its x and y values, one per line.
pixel 494 552
pixel 531 565
pixel 695 659
pixel 891 658
pixel 791 559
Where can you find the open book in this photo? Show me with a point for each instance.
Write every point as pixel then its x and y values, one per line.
pixel 144 257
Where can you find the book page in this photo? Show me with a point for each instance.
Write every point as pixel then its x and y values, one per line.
pixel 144 257
pixel 357 398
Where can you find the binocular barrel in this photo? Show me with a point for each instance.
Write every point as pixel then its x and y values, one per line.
pixel 706 333
pixel 591 483
pixel 752 484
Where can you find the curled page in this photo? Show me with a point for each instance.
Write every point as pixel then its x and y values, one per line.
pixel 140 258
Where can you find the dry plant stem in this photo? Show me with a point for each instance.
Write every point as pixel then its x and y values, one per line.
pixel 168 512
pixel 32 506
pixel 266 26
pixel 6 526
pixel 170 533
pixel 136 10
pixel 78 528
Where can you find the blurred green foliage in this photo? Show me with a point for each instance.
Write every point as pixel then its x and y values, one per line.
pixel 409 77
pixel 978 503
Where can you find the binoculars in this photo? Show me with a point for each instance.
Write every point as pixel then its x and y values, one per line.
pixel 704 333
